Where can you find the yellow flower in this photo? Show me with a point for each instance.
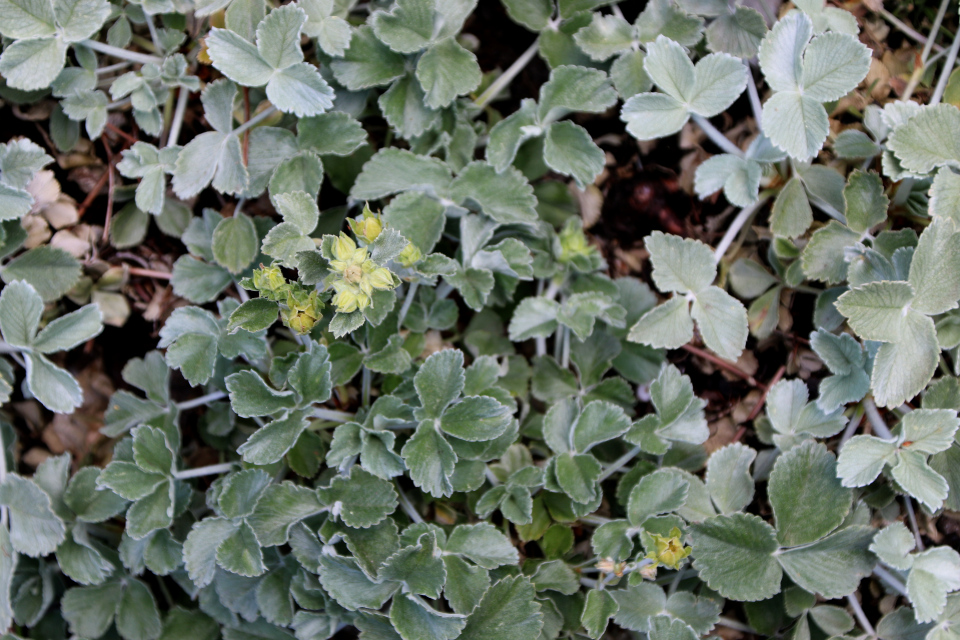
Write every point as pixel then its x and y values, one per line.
pixel 573 242
pixel 270 282
pixel 670 551
pixel 348 298
pixel 375 277
pixel 410 255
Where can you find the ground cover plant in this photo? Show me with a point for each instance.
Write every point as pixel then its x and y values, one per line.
pixel 438 319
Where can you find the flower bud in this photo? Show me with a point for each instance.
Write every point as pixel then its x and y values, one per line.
pixel 344 248
pixel 410 255
pixel 380 278
pixel 269 281
pixel 345 300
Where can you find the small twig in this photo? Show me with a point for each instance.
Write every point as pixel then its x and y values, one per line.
pixel 907 29
pixel 852 425
pixel 408 301
pixel 3 476
pixel 105 238
pixel 754 97
pixel 255 120
pixel 917 74
pixel 861 616
pixel 149 273
pixel 92 195
pixel 723 364
pixel 757 407
pixel 716 136
pixel 912 517
pixel 736 625
pixel 246 134
pixel 202 400
pixel 123 134
pixel 491 476
pixel 153 33
pixel 507 76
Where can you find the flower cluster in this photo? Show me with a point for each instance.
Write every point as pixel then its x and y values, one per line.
pixel 300 306
pixel 355 276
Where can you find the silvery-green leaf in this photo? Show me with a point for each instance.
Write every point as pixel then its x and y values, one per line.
pixel 823 256
pixel 361 499
pixel 414 620
pixel 250 395
pixel 832 566
pixel 284 242
pixel 533 317
pixel 87 502
pixel 738 177
pixel 792 214
pixel 476 419
pixel 945 195
pixel 349 585
pixel 446 71
pixel 198 281
pixel 719 80
pixel 332 133
pixel 506 197
pixel 237 58
pixel 600 606
pixel 929 430
pixel 833 66
pixel 892 544
pixel 670 68
pixel 254 315
pixel 403 106
pixel 240 553
pixel 573 88
pixel 51 271
pixel 191 336
pixel 796 123
pixel 555 575
pixel 924 142
pixel 569 149
pixel 270 443
pixel 807 497
pixel 862 459
pixel 33 63
pixel 876 310
pixel 865 200
pixel 200 548
pixel 27 19
pixel 935 573
pixel 728 477
pixel 919 480
pixel 657 493
pixel 933 269
pixel 300 90
pixel 577 475
pixel 845 358
pixel 80 19
pixel 902 369
pixel 600 421
pixel 210 157
pixel 394 170
pixel 628 74
pixel 668 325
pixel 507 611
pixel 54 387
pixel 855 144
pixel 663 17
pixel 738 33
pixel 80 561
pixel 35 530
pixel 367 62
pixel 781 52
pixel 734 555
pixel 235 243
pixel 483 544
pixel 278 36
pixel 21 308
pixel 440 381
pixel 419 567
pixel 653 115
pixel 605 37
pixel 722 320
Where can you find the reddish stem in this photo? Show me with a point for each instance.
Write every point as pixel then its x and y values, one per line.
pixel 723 364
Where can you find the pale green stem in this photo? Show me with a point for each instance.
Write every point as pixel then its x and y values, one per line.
pixel 178 115
pixel 947 69
pixel 255 120
pixel 746 214
pixel 123 54
pixel 861 616
pixel 202 400
pixel 716 136
pixel 408 301
pixel 212 470
pixel 507 76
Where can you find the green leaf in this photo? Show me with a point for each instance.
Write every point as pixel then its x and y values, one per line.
pixel 235 243
pixel 446 71
pixel 935 573
pixel 394 170
pixel 680 264
pixel 577 475
pixel 54 387
pixel 507 611
pixel 876 310
pixel 728 477
pixel 465 584
pixel 331 133
pixel 440 381
pixel 191 336
pixel 506 197
pixel 89 504
pixel 600 606
pixel 833 566
pixel 35 530
pixel 414 620
pixel 932 273
pixel 657 493
pixel 430 460
pixel 796 123
pixel 734 555
pixel 361 499
pixel 667 326
pixel 807 496
pixel 250 395
pixel 722 321
pixel 569 149
pixel 573 88
pixel 253 315
pixel 791 215
pixel 917 478
pixel 367 62
pixel 52 272
pixel 866 204
pixel 901 370
pixel 270 443
pixel 21 308
pixel 33 63
pixel 923 142
pixel 476 419
pixel 350 587
pixel 419 567
pixel 600 421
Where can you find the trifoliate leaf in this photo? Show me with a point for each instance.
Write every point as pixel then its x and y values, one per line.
pixel 446 71
pixel 361 499
pixel 270 443
pixel 508 610
pixel 419 567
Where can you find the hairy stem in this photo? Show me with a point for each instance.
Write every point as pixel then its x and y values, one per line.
pixel 947 69
pixel 202 400
pixel 123 54
pixel 332 415
pixel 175 125
pixel 912 517
pixel 716 136
pixel 876 421
pixel 746 214
pixel 212 470
pixel 861 616
pixel 255 120
pixel 619 463
pixel 408 301
pixel 507 76
pixel 406 505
